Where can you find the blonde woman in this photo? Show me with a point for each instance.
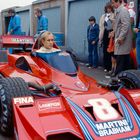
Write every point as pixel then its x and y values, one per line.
pixel 46 41
pixel 51 54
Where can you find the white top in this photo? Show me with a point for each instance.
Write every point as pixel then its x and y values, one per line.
pixel 107 16
pixel 132 13
pixel 45 50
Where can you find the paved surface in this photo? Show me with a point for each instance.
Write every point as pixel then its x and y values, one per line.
pixel 98 74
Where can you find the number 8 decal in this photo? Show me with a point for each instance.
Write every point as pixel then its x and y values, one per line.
pixel 103 109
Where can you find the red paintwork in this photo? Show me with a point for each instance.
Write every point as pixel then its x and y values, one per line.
pixel 45 118
pixel 14 41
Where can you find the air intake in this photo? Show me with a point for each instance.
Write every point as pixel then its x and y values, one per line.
pixel 63 136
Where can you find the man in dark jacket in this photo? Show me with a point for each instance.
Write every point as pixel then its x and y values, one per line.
pixel 137 30
pixel 92 37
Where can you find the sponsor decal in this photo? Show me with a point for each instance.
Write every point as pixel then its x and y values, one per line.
pixel 63 54
pixel 24 100
pixel 55 104
pixel 21 40
pixel 103 109
pixel 113 127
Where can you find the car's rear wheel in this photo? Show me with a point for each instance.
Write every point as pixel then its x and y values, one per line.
pixel 10 88
pixel 130 79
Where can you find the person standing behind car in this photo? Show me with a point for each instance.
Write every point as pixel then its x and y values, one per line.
pixel 130 7
pixel 92 37
pixel 106 26
pixel 14 27
pixel 137 30
pixel 42 21
pixel 123 36
pixel 131 11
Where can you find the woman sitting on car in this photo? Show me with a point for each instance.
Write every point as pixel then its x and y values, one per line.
pixel 51 54
pixel 46 42
pixel 48 47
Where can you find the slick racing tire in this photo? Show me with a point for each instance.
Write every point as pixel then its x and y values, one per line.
pixel 1 75
pixel 130 79
pixel 10 88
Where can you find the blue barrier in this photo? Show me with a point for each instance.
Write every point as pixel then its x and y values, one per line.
pixel 59 38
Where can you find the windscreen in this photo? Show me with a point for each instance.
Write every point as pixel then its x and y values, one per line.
pixel 59 60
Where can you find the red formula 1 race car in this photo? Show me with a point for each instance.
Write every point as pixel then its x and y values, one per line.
pixel 53 100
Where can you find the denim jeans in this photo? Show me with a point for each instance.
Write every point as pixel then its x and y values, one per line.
pixel 93 55
pixel 138 49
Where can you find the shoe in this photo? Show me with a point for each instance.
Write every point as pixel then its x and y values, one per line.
pixel 113 75
pixel 112 71
pixel 109 75
pixel 88 65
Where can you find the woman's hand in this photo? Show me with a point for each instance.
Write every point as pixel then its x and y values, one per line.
pixel 136 30
pixel 120 41
pixel 93 42
pixel 111 34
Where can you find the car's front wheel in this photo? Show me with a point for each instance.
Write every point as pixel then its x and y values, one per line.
pixel 10 88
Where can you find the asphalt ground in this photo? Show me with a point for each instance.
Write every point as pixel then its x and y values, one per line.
pixel 97 74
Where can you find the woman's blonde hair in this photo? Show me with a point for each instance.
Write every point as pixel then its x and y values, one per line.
pixel 43 36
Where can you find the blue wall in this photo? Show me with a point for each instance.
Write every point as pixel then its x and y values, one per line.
pixel 25 21
pixel 79 12
pixel 54 18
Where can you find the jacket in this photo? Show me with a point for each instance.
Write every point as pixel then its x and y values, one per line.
pixel 138 20
pixel 42 24
pixel 122 29
pixel 15 25
pixel 93 33
pixel 101 24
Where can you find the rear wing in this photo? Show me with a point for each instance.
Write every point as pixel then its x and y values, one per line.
pixel 12 41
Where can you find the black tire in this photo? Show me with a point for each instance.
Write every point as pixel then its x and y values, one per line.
pixel 130 79
pixel 1 75
pixel 10 88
